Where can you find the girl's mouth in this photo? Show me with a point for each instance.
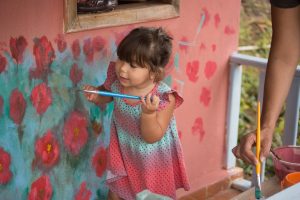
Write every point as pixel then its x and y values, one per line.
pixel 122 79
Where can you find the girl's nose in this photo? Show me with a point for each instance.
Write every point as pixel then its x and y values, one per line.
pixel 123 67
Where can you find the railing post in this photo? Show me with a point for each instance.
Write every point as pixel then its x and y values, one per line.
pixel 291 115
pixel 233 105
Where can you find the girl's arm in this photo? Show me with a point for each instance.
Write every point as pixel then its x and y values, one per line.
pixel 154 123
pixel 95 98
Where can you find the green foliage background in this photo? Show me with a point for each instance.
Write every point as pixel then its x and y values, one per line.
pixel 256 32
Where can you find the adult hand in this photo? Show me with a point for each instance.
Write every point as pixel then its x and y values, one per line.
pixel 244 149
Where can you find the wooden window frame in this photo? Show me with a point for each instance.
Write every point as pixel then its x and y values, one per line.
pixel 123 14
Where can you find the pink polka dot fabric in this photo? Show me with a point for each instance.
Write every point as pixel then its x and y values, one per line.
pixel 133 164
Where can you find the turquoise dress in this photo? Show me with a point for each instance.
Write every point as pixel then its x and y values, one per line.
pixel 133 164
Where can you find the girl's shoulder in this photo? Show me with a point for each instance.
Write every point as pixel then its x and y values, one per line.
pixel 163 91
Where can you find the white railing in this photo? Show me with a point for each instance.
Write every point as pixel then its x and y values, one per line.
pixel 233 107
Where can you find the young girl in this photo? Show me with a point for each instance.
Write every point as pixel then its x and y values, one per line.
pixel 145 150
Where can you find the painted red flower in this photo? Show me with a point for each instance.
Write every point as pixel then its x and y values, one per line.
pixel 228 30
pixel 41 98
pixel 202 46
pixel 88 50
pixel 5 173
pixel 205 96
pixel 75 132
pixel 17 48
pixel 17 106
pixel 76 74
pixel 1 105
pixel 197 128
pixel 44 56
pixel 47 150
pixel 210 68
pixel 76 49
pixel 3 63
pixel 99 161
pixel 83 193
pixel 61 43
pixel 180 134
pixel 98 43
pixel 192 70
pixel 41 189
pixel 217 20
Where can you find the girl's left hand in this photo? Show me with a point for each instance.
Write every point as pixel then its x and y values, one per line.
pixel 150 104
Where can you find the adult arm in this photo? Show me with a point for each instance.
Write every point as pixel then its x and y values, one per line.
pixel 283 59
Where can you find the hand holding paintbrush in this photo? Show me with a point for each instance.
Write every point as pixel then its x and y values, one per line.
pixel 98 95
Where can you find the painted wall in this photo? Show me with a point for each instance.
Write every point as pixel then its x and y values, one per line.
pixel 52 140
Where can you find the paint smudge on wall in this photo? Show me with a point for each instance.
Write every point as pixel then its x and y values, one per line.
pixel 17 106
pixel 61 43
pixel 228 30
pixel 3 63
pixel 17 48
pixel 207 17
pixel 75 132
pixel 192 70
pixel 182 45
pixel 213 47
pixel 210 69
pixel 205 96
pixel 44 56
pixel 197 128
pixel 88 50
pixel 76 50
pixel 5 173
pixel 217 20
pixel 99 161
pixel 193 41
pixel 41 189
pixel 83 193
pixel 98 43
pixel 76 74
pixel 41 98
pixel 202 46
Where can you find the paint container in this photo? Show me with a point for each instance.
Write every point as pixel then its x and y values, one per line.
pixel 290 180
pixel 287 160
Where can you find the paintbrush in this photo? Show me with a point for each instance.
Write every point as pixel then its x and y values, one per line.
pixel 258 193
pixel 112 94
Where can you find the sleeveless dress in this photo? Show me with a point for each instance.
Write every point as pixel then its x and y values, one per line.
pixel 134 165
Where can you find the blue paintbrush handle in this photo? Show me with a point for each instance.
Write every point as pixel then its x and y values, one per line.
pixel 112 94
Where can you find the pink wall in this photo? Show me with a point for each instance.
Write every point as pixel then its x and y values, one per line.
pixel 205 34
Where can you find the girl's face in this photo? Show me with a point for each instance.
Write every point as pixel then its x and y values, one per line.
pixel 133 76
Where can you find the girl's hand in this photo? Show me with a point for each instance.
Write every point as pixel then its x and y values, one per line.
pixel 90 96
pixel 150 104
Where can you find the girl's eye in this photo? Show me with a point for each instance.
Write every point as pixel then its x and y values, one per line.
pixel 133 65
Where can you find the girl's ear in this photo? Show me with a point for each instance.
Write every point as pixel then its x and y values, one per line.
pixel 152 76
pixel 158 75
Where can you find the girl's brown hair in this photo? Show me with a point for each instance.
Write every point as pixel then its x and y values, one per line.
pixel 147 47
